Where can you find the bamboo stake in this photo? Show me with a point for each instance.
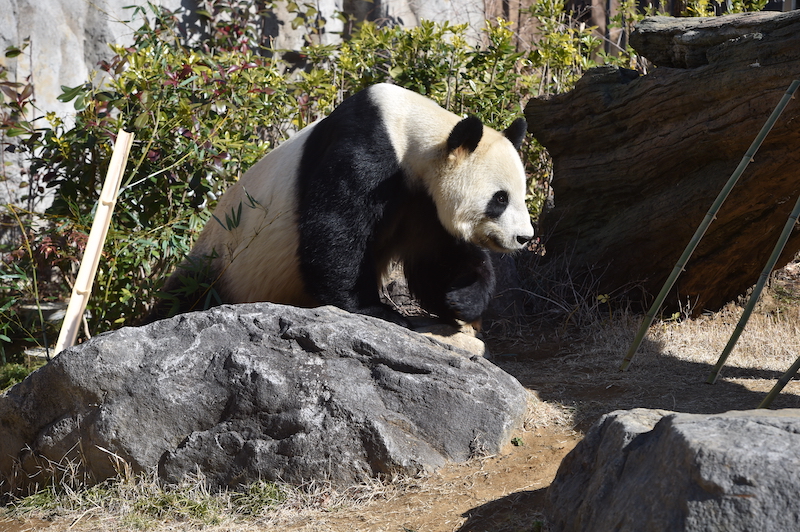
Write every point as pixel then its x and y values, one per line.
pixel 94 246
pixel 780 385
pixel 701 230
pixel 762 280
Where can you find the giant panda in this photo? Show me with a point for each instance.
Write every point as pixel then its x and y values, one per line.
pixel 388 175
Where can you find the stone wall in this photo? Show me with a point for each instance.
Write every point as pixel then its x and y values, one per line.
pixel 68 37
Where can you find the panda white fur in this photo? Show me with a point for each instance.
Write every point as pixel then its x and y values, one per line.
pixel 387 175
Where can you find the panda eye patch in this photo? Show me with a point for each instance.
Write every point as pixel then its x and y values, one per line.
pixel 497 205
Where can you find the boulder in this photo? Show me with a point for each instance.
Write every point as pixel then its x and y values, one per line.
pixel 258 391
pixel 639 160
pixel 652 470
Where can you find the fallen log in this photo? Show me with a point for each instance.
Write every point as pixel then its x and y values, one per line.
pixel 638 160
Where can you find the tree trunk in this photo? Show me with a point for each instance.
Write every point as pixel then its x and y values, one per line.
pixel 639 160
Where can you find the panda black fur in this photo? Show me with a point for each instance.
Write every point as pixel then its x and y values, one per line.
pixel 387 175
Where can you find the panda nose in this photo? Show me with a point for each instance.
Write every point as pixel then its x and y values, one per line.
pixel 524 239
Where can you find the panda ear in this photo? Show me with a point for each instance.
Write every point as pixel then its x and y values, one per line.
pixel 516 132
pixel 466 134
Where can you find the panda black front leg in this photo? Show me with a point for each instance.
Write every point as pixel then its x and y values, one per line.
pixel 469 302
pixel 469 292
pixel 455 283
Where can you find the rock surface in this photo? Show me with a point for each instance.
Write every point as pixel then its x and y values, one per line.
pixel 652 470
pixel 693 42
pixel 639 160
pixel 257 391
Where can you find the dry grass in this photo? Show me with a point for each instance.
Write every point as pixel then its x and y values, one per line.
pixel 572 370
pixel 579 368
pixel 142 502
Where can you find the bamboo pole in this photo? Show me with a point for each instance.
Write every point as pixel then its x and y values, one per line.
pixel 94 246
pixel 701 230
pixel 780 385
pixel 762 280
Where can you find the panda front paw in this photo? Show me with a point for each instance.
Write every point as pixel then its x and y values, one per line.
pixel 468 303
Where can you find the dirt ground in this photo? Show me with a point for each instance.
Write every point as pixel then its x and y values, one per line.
pixel 575 379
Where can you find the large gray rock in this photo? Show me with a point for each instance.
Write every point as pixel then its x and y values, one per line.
pixel 257 391
pixel 652 470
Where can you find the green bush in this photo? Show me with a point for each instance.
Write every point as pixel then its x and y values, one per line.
pixel 203 114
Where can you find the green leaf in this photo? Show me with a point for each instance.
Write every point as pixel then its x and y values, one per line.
pixel 219 221
pixel 70 93
pixel 13 51
pixel 7 305
pixel 16 131
pixel 141 121
pixel 80 102
pixel 396 71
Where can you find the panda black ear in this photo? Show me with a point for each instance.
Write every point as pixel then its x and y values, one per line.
pixel 516 132
pixel 466 134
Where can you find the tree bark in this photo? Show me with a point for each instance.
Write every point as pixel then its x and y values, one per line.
pixel 639 160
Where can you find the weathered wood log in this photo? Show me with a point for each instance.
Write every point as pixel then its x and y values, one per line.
pixel 638 160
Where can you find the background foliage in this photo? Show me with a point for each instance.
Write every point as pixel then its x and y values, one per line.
pixel 205 105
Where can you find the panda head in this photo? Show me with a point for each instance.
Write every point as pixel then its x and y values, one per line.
pixel 480 192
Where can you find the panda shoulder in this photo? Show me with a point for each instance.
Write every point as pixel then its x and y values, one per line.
pixel 387 96
pixel 410 113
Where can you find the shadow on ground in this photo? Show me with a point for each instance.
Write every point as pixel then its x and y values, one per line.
pixel 592 383
pixel 588 381
pixel 506 514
